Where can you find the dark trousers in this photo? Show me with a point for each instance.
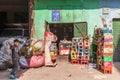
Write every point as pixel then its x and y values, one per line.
pixel 15 65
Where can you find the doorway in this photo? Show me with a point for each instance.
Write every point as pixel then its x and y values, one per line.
pixel 62 30
pixel 116 35
pixel 68 30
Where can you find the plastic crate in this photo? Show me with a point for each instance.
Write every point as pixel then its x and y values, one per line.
pixel 107 58
pixel 74 61
pixel 80 43
pixel 52 53
pixel 107 64
pixel 106 70
pixel 84 62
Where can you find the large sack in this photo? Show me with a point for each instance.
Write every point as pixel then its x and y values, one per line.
pixel 3 60
pixel 24 51
pixel 7 43
pixel 3 66
pixel 23 62
pixel 6 46
pixel 3 57
pixel 37 61
pixel 36 45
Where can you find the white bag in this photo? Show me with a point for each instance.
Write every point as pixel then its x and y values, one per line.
pixel 23 62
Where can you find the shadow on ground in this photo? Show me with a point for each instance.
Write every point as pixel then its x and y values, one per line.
pixel 4 74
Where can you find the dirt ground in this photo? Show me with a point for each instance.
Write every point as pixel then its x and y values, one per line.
pixel 65 71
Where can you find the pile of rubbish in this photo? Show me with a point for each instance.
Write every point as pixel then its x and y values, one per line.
pixel 32 51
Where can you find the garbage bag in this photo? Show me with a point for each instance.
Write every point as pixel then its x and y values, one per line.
pixel 6 47
pixel 5 52
pixel 3 66
pixel 32 46
pixel 37 44
pixel 36 61
pixel 24 51
pixel 3 57
pixel 7 43
pixel 3 60
pixel 23 62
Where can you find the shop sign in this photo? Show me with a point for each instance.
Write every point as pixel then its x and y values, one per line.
pixel 55 15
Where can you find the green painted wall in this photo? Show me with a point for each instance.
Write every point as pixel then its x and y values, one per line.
pixel 70 11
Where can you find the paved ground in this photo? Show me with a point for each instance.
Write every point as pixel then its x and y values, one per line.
pixel 66 71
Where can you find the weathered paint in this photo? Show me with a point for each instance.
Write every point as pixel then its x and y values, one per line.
pixel 70 11
pixel 114 12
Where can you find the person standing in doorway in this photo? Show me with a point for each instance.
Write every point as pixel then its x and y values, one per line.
pixel 15 58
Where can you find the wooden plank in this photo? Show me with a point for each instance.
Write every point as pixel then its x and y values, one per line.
pixel 31 17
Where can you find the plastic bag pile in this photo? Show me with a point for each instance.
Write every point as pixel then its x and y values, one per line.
pixel 32 52
pixel 5 53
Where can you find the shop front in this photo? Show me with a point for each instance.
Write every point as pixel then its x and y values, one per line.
pixel 66 18
pixel 66 31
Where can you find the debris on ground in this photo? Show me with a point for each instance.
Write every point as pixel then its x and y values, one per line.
pixel 69 75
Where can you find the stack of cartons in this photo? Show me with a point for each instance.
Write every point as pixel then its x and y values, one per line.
pixel 73 52
pixel 80 50
pixel 105 52
pixel 98 36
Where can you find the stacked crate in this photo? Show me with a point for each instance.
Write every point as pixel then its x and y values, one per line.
pixel 73 52
pixel 80 51
pixel 96 40
pixel 53 51
pixel 107 54
pixel 105 51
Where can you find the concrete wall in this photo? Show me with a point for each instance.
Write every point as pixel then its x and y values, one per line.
pixel 70 11
pixel 114 11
